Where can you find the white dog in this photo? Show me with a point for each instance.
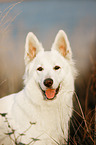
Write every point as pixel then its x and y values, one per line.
pixel 39 114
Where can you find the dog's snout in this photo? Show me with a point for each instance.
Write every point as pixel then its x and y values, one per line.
pixel 48 82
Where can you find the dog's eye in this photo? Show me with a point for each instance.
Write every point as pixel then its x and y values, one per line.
pixel 39 68
pixel 56 67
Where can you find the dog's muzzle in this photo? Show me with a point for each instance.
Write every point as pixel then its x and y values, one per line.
pixel 49 93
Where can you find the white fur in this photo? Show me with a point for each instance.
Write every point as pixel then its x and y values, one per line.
pixel 51 116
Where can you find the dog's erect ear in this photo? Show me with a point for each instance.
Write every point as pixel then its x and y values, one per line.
pixel 32 47
pixel 61 44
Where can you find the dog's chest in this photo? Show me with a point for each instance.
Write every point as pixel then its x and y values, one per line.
pixel 41 118
pixel 45 123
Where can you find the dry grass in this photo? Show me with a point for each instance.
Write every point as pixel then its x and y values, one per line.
pixel 10 72
pixel 83 125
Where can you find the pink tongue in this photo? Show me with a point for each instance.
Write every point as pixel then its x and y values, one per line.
pixel 50 93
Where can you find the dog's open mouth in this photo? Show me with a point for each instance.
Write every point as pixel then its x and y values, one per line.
pixel 49 93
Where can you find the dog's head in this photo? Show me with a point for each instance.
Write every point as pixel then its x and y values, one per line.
pixel 50 69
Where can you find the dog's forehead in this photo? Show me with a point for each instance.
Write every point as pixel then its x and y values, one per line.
pixel 49 59
pixel 50 56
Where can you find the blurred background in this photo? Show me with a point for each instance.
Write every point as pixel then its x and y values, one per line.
pixel 45 18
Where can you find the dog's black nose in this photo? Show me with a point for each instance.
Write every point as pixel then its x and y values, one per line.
pixel 48 82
